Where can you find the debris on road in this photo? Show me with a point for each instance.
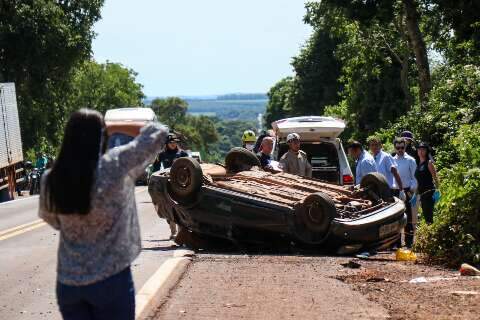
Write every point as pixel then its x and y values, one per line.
pixel 351 264
pixel 378 279
pixel 363 255
pixel 405 255
pixel 431 279
pixel 465 293
pixel 468 270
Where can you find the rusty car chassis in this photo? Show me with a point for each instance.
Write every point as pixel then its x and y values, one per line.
pixel 259 207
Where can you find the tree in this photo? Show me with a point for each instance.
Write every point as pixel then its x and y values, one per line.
pixel 419 48
pixel 104 86
pixel 171 110
pixel 60 33
pixel 279 100
pixel 317 75
pixel 386 12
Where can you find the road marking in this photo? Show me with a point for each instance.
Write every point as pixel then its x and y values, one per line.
pixel 15 231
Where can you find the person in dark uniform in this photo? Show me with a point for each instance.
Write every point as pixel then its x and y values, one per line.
pixel 428 183
pixel 171 152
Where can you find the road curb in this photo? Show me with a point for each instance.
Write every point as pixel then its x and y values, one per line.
pixel 155 291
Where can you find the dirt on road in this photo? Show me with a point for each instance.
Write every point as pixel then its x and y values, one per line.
pixel 300 287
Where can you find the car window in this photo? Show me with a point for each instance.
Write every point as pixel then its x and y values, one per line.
pixel 118 139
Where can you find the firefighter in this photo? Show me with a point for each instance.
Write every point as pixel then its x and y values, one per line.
pixel 295 161
pixel 248 140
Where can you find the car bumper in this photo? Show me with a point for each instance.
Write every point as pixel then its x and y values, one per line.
pixel 376 230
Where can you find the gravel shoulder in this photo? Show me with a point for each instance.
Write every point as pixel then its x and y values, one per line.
pixel 291 287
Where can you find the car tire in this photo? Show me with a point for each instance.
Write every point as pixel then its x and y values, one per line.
pixel 240 159
pixel 186 178
pixel 377 183
pixel 317 212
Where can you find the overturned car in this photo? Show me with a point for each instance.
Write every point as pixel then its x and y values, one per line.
pixel 244 204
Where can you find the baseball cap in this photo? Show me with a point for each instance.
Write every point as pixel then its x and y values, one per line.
pixel 407 135
pixel 172 138
pixel 293 136
pixel 423 145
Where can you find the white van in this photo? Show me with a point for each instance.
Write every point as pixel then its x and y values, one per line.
pixel 319 138
pixel 124 124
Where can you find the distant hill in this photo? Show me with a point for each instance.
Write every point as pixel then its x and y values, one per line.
pixel 235 106
pixel 243 96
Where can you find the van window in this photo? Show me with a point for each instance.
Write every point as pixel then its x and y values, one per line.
pixel 118 139
pixel 323 157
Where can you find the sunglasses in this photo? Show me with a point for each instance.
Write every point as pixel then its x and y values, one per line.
pixel 400 148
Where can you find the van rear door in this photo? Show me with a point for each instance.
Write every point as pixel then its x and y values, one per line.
pixel 310 128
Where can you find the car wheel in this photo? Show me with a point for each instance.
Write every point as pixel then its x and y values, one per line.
pixel 240 159
pixel 186 180
pixel 317 212
pixel 376 183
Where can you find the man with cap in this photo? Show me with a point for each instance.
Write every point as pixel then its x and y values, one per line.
pixel 169 154
pixel 295 161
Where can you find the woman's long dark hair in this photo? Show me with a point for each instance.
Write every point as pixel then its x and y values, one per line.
pixel 70 181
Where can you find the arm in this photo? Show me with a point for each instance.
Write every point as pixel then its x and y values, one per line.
pixel 47 216
pixel 413 180
pixel 393 169
pixel 308 168
pixel 132 158
pixel 397 177
pixel 284 163
pixel 433 171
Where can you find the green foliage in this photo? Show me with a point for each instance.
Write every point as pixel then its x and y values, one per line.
pixel 104 86
pixel 170 111
pixel 41 42
pixel 279 100
pixel 453 102
pixel 455 235
pixel 230 135
pixel 198 132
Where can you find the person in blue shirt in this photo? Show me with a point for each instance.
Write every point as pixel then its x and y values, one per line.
pixel 386 165
pixel 364 161
pixel 41 162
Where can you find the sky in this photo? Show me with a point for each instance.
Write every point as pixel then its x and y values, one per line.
pixel 202 47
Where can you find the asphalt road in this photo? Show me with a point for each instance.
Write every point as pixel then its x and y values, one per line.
pixel 28 257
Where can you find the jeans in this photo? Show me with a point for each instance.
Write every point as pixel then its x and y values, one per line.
pixel 428 204
pixel 409 230
pixel 112 298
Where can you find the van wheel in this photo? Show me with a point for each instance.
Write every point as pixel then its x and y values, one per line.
pixel 240 159
pixel 376 183
pixel 186 178
pixel 317 212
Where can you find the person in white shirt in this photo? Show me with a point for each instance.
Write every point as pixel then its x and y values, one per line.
pixel 386 165
pixel 406 166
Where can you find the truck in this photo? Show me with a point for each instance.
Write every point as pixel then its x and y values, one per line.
pixel 11 152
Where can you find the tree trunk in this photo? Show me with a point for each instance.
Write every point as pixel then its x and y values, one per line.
pixel 419 49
